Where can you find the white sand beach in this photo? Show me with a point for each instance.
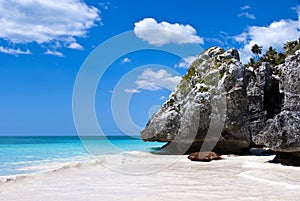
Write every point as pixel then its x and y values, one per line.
pixel 234 178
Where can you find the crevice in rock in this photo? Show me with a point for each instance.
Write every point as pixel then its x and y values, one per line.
pixel 273 99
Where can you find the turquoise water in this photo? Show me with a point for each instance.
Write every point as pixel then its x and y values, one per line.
pixel 19 154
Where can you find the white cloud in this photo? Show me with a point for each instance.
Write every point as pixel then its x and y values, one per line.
pixel 246 7
pixel 163 33
pixel 156 80
pixel 186 62
pixel 75 46
pixel 44 21
pixel 126 60
pixel 241 38
pixel 275 35
pixel 132 91
pixel 13 51
pixel 54 53
pixel 247 14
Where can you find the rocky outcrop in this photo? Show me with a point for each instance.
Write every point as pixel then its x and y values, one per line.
pixel 220 106
pixel 209 108
pixel 204 156
pixel 257 111
pixel 282 133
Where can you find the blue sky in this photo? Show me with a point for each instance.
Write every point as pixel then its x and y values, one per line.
pixel 44 43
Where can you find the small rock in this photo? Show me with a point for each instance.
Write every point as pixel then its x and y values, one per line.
pixel 204 156
pixel 287 158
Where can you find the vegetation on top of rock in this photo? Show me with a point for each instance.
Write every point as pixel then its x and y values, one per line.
pixel 272 56
pixel 192 70
pixel 204 59
pixel 203 89
pixel 291 47
pixel 170 102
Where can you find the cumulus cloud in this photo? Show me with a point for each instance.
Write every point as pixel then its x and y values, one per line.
pixel 163 33
pixel 14 51
pixel 242 38
pixel 155 80
pixel 126 60
pixel 186 62
pixel 54 53
pixel 43 21
pixel 75 46
pixel 275 34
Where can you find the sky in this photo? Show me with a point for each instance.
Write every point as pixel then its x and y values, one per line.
pixel 45 44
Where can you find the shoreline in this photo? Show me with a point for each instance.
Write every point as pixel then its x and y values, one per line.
pixel 243 177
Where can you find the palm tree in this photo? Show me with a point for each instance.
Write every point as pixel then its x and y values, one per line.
pixel 271 50
pixel 271 55
pixel 256 50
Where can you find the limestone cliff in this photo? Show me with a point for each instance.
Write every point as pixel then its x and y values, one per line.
pixel 223 106
pixel 209 105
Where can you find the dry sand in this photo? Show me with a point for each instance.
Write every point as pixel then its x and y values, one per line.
pixel 172 178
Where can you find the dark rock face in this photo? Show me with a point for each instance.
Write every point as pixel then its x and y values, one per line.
pixel 257 112
pixel 204 156
pixel 208 110
pixel 264 97
pixel 282 133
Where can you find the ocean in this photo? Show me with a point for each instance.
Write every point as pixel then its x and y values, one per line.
pixel 27 155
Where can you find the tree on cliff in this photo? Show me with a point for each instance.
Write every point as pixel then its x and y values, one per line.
pixel 270 56
pixel 256 49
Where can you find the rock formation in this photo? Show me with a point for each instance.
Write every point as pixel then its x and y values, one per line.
pixel 223 107
pixel 282 133
pixel 208 109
